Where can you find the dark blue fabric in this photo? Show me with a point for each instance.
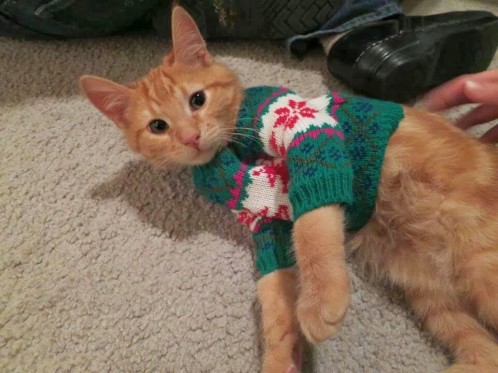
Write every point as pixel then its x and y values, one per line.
pixel 353 13
pixel 98 17
pixel 55 18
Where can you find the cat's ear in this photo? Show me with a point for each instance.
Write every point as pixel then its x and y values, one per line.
pixel 111 99
pixel 189 47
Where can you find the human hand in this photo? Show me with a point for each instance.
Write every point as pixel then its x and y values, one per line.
pixel 480 88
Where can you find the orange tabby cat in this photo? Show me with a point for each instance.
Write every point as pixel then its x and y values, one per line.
pixel 434 232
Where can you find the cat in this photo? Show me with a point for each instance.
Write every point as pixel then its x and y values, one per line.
pixel 433 233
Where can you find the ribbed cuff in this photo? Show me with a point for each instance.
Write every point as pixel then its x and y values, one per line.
pixel 274 247
pixel 317 192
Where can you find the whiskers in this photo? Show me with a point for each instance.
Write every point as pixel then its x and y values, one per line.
pixel 232 140
pixel 167 161
pixel 246 135
pixel 216 136
pixel 221 136
pixel 162 162
pixel 240 138
pixel 250 129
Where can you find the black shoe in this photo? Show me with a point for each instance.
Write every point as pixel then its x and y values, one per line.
pixel 254 19
pixel 400 58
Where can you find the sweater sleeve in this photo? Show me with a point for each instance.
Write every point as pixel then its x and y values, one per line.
pixel 272 239
pixel 273 242
pixel 256 193
pixel 259 188
pixel 312 142
pixel 219 181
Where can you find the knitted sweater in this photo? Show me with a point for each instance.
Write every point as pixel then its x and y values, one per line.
pixel 291 155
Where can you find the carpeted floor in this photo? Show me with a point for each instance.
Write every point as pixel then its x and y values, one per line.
pixel 107 265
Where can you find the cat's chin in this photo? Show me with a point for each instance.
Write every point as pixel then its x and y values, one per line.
pixel 202 157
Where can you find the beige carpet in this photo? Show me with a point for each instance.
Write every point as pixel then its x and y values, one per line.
pixel 107 265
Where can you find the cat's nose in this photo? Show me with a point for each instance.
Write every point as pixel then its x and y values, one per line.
pixel 192 140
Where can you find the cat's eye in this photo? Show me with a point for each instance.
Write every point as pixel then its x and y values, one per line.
pixel 197 100
pixel 158 126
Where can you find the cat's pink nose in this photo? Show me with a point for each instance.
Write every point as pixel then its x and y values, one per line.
pixel 192 140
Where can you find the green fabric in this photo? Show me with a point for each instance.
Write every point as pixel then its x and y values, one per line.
pixel 368 125
pixel 273 244
pixel 321 174
pixel 319 168
pixel 215 180
pixel 328 162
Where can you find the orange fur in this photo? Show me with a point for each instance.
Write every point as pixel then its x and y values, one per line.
pixel 434 232
pixel 164 94
pixel 277 293
pixel 320 255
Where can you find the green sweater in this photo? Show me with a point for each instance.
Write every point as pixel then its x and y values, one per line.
pixel 291 155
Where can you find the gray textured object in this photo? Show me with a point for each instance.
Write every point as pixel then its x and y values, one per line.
pixel 107 265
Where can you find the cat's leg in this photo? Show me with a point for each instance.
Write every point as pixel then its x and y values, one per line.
pixel 277 294
pixel 479 277
pixel 474 348
pixel 324 283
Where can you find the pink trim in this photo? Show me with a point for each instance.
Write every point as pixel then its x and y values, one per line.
pixel 246 217
pixel 262 221
pixel 266 102
pixel 235 192
pixel 314 134
pixel 283 213
pixel 338 101
pixel 273 142
pixel 257 227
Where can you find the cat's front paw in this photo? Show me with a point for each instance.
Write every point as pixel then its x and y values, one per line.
pixel 321 310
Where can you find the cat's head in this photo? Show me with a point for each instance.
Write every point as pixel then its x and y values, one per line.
pixel 183 111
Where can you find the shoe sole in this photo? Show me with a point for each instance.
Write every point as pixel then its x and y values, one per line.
pixel 425 64
pixel 282 19
pixel 258 19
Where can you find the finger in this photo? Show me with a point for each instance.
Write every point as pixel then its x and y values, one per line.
pixel 491 136
pixel 490 76
pixel 446 96
pixel 482 114
pixel 483 93
pixel 453 93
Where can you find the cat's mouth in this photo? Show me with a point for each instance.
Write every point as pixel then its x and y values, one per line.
pixel 203 155
pixel 203 151
pixel 206 150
